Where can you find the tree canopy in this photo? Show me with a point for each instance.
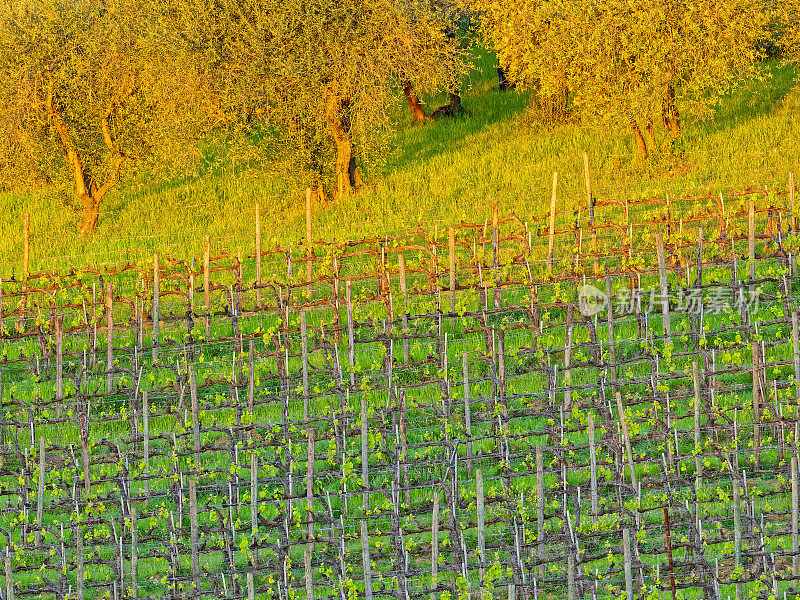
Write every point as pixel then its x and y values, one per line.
pixel 92 90
pixel 627 62
pixel 321 75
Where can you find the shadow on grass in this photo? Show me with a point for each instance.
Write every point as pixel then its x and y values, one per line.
pixel 758 99
pixel 483 105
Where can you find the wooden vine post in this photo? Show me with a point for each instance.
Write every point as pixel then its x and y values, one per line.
pixel 110 336
pixel 627 440
pixel 451 244
pixel 794 511
pixel 26 245
pixel 26 242
pixel 479 499
pixel 156 299
pixel 590 204
pixel 496 253
pixel 467 413
pixel 662 277
pixel 401 264
pixel 304 351
pixel 207 282
pixel 593 468
pixel 193 535
pixel 552 229
pixel 540 509
pixel 258 254
pixel 758 401
pixel 195 418
pixel 59 362
pixel 40 494
pixel 698 461
pixel 309 549
pixel 309 247
pixel 792 214
pixel 751 240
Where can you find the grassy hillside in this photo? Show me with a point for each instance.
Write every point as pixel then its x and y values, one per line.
pixel 438 173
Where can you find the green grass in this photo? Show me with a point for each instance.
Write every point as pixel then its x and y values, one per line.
pixel 437 174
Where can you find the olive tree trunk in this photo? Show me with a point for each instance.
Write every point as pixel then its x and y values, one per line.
pixel 670 114
pixel 417 110
pixel 86 188
pixel 641 145
pixel 347 176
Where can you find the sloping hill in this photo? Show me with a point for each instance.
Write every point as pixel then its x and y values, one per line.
pixel 438 173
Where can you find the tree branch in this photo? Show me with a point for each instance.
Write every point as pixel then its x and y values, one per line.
pixel 67 144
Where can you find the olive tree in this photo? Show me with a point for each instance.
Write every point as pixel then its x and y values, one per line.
pixel 94 89
pixel 786 24
pixel 629 62
pixel 317 78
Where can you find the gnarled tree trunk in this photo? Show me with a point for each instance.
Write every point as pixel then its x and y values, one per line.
pixel 339 127
pixel 91 214
pixel 449 109
pixel 417 110
pixel 641 145
pixel 670 114
pixel 86 188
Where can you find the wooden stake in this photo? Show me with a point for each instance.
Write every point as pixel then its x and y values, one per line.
pixel 792 213
pixel 495 253
pixel 451 242
pixel 551 234
pixel 590 205
pixel 258 253
pixel 401 263
pixel 364 451
pixel 540 509
pixel 795 499
pixel 626 551
pixel 467 413
pixel 662 276
pixel 9 575
pixel 404 448
pixel 365 561
pixel 309 262
pixel 796 345
pixel 40 494
pixel 758 401
pixel 59 360
pixel 351 349
pixel 737 531
pixel 435 542
pixel 309 549
pixel 156 298
pixel 751 239
pixel 251 379
pixel 698 463
pixel 110 336
pixel 304 346
pixel 254 501
pixel 134 552
pixel 79 561
pixel 568 359
pixel 26 243
pixel 627 440
pixel 593 466
pixel 207 282
pixel 612 360
pixel 195 418
pixel 146 433
pixel 193 526
pixel 479 499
